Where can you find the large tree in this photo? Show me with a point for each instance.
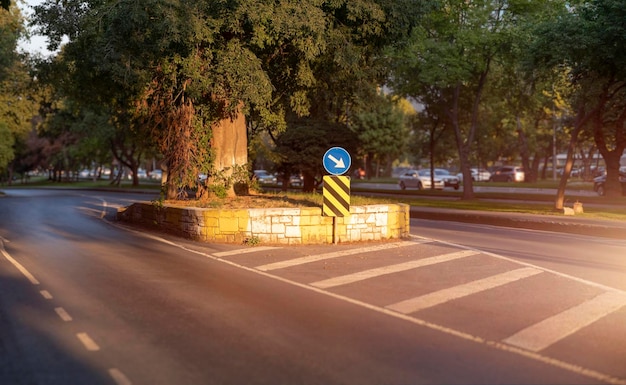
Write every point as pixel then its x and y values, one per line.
pixel 589 41
pixel 186 72
pixel 16 103
pixel 452 54
pixel 381 129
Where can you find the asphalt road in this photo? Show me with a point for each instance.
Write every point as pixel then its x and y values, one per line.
pixel 83 300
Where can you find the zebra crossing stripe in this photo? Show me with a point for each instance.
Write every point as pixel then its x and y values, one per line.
pixel 363 275
pixel 336 196
pixel 255 249
pixel 436 298
pixel 551 330
pixel 336 254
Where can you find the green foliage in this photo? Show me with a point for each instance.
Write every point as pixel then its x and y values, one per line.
pixel 252 241
pixel 302 147
pixel 220 182
pixel 447 63
pixel 588 41
pixel 380 127
pixel 6 146
pixel 10 31
pixel 16 99
pixel 170 69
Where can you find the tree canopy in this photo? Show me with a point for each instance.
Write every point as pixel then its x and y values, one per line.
pixel 16 107
pixel 174 69
pixel 588 41
pixel 498 80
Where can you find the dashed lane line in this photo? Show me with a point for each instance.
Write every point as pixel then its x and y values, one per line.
pixel 63 314
pixel 88 342
pixel 119 377
pixel 551 330
pixel 442 296
pixel 336 254
pixel 46 294
pixel 372 273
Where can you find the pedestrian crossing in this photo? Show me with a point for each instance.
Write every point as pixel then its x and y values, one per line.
pixel 338 254
pixel 362 275
pixel 356 267
pixel 442 296
pixel 547 332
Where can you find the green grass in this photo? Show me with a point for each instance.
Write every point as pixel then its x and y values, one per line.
pixel 594 206
pixel 540 208
pixel 84 184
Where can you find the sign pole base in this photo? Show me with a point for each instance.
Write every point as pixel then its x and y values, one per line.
pixel 335 230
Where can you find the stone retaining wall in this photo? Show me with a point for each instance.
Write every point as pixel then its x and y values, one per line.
pixel 291 226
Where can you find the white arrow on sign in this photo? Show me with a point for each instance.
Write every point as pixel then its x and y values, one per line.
pixel 338 162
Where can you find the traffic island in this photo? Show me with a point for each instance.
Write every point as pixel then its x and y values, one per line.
pixel 286 226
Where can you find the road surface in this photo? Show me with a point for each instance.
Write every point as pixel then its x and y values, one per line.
pixel 83 300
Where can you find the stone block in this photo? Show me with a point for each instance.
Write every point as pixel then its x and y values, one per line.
pixel 228 224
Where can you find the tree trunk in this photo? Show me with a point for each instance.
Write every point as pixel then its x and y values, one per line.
pixel 369 167
pixel 229 145
pixel 529 175
pixel 612 156
pixel 560 196
pixel 581 120
pixel 463 146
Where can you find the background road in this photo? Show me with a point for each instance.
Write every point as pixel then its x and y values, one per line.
pixel 596 259
pixel 84 301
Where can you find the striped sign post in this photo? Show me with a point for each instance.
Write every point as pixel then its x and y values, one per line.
pixel 336 196
pixel 336 191
pixel 336 199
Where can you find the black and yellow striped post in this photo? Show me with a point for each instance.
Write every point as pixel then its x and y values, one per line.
pixel 336 199
pixel 336 196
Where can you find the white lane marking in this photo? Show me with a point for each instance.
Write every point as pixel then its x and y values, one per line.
pixel 63 314
pixel 46 294
pixel 243 251
pixel 336 254
pixel 119 377
pixel 551 330
pixel 363 275
pixel 15 263
pixel 527 264
pixel 88 342
pixel 103 212
pixel 432 299
pixel 577 369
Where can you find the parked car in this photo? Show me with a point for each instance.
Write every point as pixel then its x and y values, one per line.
pixel 156 174
pixel 420 180
pixel 449 180
pixel 508 174
pixel 599 182
pixel 296 181
pixel 264 177
pixel 478 175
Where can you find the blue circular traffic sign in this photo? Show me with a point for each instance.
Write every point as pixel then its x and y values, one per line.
pixel 337 161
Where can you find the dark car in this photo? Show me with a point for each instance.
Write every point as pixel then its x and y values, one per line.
pixel 598 183
pixel 296 181
pixel 264 177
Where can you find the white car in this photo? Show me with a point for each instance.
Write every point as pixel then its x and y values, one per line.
pixel 478 175
pixel 449 180
pixel 420 180
pixel 508 174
